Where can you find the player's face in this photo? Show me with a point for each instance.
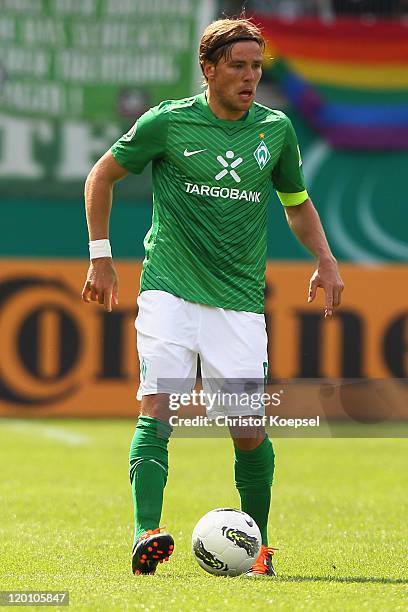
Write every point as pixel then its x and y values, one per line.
pixel 232 82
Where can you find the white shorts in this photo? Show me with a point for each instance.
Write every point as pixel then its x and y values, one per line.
pixel 232 345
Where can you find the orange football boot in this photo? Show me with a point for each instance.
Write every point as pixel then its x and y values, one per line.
pixel 153 547
pixel 263 565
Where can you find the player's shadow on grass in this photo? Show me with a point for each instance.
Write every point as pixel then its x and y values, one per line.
pixel 361 579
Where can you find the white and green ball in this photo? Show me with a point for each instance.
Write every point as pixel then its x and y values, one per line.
pixel 226 542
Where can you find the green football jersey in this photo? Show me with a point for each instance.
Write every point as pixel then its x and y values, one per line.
pixel 212 180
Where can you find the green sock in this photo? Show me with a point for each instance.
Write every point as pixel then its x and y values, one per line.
pixel 148 471
pixel 253 478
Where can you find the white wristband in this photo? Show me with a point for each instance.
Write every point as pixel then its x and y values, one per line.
pixel 99 248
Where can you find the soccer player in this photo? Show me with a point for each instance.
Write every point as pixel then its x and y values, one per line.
pixel 215 158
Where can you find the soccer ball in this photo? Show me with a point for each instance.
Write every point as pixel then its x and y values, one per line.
pixel 226 542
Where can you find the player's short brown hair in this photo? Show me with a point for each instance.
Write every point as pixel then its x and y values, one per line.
pixel 218 38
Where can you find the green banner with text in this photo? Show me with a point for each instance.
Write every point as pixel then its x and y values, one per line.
pixel 75 74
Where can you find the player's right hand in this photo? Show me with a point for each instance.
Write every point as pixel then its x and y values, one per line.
pixel 102 283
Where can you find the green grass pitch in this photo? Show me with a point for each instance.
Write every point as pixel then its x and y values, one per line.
pixel 339 519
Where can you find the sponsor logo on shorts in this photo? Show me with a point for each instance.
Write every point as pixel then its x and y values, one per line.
pixel 143 369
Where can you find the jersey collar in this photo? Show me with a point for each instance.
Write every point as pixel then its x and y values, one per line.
pixel 238 123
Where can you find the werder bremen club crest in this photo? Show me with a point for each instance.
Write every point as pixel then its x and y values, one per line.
pixel 262 155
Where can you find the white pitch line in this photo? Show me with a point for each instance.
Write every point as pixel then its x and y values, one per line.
pixel 70 438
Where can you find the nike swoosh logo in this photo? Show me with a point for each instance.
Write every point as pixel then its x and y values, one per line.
pixel 188 153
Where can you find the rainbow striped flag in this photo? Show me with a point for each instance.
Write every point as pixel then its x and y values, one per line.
pixel 348 77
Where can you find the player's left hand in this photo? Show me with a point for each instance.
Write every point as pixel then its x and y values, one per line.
pixel 328 278
pixel 102 284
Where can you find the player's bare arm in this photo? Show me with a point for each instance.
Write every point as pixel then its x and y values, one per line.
pixel 305 223
pixel 101 283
